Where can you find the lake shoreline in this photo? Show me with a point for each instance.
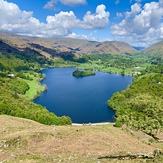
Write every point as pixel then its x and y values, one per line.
pixel 92 124
pixel 110 80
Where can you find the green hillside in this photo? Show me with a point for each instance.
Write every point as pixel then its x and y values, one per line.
pixel 17 72
pixel 140 106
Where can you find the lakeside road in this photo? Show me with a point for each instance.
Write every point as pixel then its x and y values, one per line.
pixel 92 124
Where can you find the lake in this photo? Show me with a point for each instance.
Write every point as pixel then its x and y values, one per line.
pixel 84 99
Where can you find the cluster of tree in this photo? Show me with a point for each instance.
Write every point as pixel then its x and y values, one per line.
pixel 18 64
pixel 116 61
pixel 13 87
pixel 82 73
pixel 140 106
pixel 13 104
pixel 155 69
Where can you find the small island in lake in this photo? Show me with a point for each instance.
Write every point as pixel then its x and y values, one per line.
pixel 82 73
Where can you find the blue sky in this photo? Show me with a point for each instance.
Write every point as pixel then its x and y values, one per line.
pixel 137 22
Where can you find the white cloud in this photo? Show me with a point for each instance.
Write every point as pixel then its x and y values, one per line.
pixel 13 19
pixel 69 21
pixel 97 20
pixel 66 20
pixel 161 2
pixel 89 36
pixel 73 3
pixel 50 4
pixel 143 23
pixel 82 36
pixel 61 24
pixel 119 15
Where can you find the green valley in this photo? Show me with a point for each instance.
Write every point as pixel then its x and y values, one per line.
pixel 121 64
pixel 139 107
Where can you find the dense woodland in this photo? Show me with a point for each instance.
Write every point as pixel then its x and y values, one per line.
pixel 14 85
pixel 140 106
pixel 82 73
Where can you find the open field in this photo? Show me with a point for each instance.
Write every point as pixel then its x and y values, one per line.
pixel 23 140
pixel 35 87
pixel 116 70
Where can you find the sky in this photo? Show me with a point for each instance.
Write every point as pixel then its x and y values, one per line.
pixel 137 22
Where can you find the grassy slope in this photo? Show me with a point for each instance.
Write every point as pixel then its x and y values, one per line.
pixel 23 140
pixel 108 69
pixel 35 87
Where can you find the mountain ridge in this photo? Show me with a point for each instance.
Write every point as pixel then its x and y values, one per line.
pixel 77 46
pixel 155 49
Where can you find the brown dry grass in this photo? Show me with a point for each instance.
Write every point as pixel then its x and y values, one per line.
pixel 65 44
pixel 23 140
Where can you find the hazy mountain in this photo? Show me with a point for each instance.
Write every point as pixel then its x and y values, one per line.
pixel 155 50
pixel 51 46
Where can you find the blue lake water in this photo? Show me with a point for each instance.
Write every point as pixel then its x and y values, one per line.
pixel 84 99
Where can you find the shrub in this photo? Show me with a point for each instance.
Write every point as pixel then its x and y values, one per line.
pixel 118 123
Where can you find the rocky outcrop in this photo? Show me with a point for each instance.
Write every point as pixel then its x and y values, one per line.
pixel 124 156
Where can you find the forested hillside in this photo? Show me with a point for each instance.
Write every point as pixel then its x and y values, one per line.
pixel 16 71
pixel 140 106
